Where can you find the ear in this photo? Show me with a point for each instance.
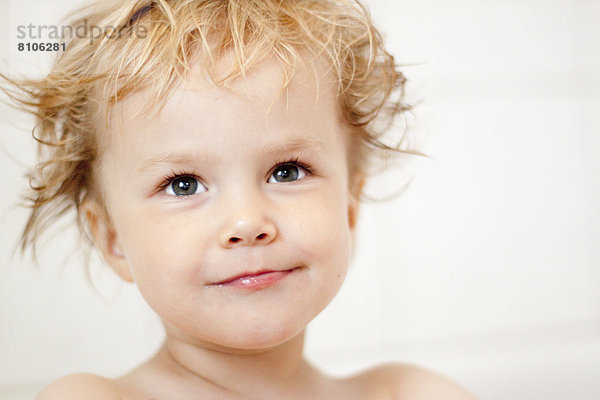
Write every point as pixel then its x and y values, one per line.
pixel 105 238
pixel 356 185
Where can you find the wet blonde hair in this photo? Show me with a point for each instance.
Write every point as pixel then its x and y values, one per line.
pixel 150 44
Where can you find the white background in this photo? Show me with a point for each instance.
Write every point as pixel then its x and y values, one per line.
pixel 486 269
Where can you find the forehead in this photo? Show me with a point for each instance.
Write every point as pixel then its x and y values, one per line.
pixel 261 96
pixel 257 107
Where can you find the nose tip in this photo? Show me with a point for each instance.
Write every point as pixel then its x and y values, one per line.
pixel 247 234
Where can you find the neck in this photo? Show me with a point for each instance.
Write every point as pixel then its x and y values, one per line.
pixel 275 370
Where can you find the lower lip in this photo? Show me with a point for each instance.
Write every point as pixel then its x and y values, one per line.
pixel 256 282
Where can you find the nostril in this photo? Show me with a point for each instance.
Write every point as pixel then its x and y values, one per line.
pixel 261 238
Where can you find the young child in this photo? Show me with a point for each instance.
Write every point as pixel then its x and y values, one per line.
pixel 216 150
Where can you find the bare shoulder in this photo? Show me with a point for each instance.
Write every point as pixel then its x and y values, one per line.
pixel 409 382
pixel 80 386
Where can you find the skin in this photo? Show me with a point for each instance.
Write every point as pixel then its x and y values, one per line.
pixel 223 342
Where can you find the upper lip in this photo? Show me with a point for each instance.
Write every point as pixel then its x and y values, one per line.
pixel 249 274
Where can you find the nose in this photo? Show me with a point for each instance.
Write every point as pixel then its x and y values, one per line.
pixel 247 227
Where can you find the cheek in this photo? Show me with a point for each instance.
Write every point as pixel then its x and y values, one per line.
pixel 166 258
pixel 321 226
pixel 163 247
pixel 327 247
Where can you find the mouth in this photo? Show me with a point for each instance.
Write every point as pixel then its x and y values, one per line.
pixel 255 280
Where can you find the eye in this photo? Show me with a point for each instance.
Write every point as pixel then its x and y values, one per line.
pixel 288 172
pixel 183 185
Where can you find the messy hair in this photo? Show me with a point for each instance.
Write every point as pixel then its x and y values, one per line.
pixel 121 61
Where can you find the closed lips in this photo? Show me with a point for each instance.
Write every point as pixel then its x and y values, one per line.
pixel 248 275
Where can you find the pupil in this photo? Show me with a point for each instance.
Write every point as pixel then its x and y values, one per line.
pixel 287 173
pixel 185 186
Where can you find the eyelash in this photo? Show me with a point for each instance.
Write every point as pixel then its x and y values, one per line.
pixel 294 161
pixel 168 179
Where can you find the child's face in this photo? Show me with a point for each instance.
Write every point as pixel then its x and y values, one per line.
pixel 237 212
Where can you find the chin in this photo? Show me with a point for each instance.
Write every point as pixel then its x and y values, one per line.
pixel 263 337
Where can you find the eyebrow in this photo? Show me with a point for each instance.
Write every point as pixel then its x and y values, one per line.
pixel 305 144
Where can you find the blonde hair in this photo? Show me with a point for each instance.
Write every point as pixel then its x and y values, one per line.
pixel 122 61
